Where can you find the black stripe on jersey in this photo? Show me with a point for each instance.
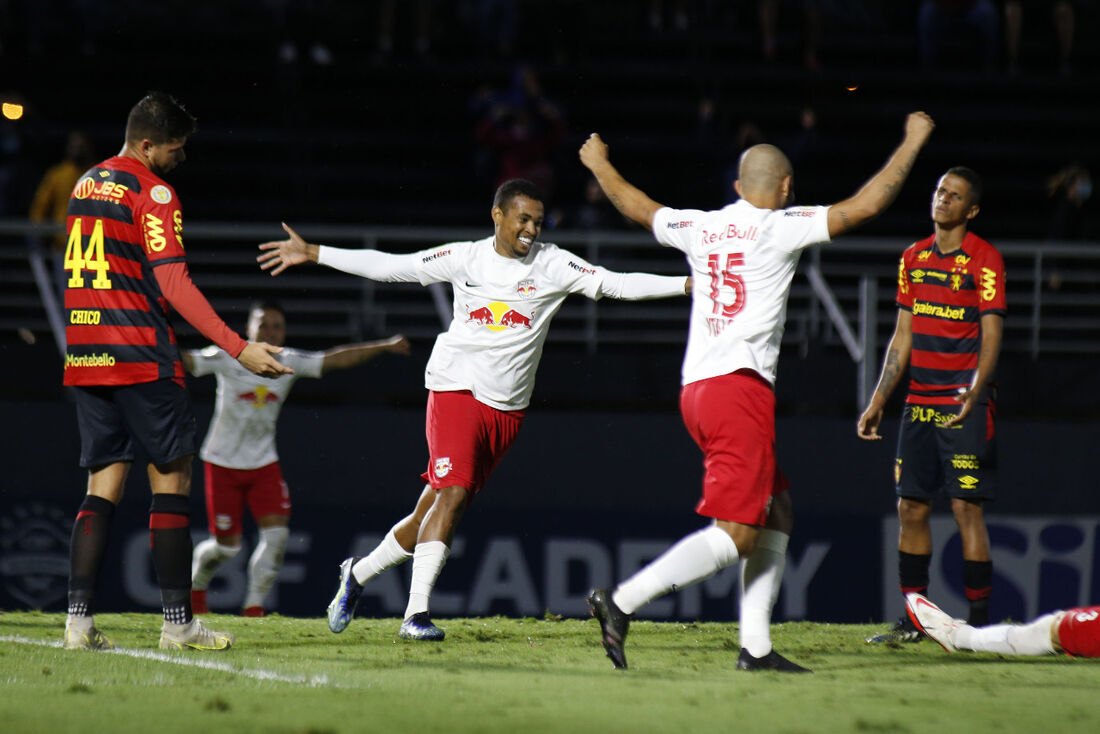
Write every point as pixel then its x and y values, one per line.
pixel 945 344
pixel 930 376
pixel 101 210
pixel 125 178
pixel 121 352
pixel 167 260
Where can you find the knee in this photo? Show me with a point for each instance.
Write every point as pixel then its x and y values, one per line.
pixel 913 513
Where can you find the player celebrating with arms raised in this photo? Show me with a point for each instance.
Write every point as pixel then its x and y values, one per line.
pixel 507 288
pixel 743 258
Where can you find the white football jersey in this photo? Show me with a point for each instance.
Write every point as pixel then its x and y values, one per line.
pixel 246 406
pixel 502 312
pixel 743 260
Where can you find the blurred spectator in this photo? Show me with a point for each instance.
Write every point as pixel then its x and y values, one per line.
pixel 387 11
pixel 523 129
pixel 953 20
pixel 1069 190
pixel 811 31
pixel 1063 17
pixel 51 198
pixel 594 212
pixel 299 28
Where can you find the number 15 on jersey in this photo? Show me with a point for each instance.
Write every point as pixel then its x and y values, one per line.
pixel 727 287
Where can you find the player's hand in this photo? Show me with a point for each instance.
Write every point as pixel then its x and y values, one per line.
pixel 918 127
pixel 593 152
pixel 687 285
pixel 257 358
pixel 279 255
pixel 867 428
pixel 397 345
pixel 967 398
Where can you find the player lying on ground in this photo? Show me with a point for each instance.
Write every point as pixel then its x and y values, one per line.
pixel 1076 631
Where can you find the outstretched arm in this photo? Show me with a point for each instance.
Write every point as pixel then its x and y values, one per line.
pixel 631 201
pixel 350 355
pixel 881 190
pixel 893 367
pixel 644 286
pixel 279 255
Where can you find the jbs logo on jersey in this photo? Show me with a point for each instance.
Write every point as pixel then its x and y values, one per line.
pixel 87 188
pixel 989 284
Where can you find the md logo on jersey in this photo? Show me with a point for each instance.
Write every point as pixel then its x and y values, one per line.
pixel 497 316
pixel 259 397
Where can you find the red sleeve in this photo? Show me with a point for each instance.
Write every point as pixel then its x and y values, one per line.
pixel 175 283
pixel 991 283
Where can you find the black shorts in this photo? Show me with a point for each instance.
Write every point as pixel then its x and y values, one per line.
pixel 157 416
pixel 959 461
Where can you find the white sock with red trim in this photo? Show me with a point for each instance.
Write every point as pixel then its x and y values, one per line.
pixel 386 554
pixel 761 576
pixel 208 556
pixel 428 560
pixel 695 557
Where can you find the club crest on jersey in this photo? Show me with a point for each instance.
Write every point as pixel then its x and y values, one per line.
pixel 160 194
pixel 526 288
pixel 443 466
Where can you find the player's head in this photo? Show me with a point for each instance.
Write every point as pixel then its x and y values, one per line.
pixel 765 177
pixel 518 212
pixel 266 323
pixel 158 128
pixel 957 197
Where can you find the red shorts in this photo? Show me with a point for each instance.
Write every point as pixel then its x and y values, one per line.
pixel 1079 632
pixel 732 419
pixel 466 439
pixel 228 489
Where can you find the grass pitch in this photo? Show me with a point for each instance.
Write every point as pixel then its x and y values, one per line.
pixel 521 675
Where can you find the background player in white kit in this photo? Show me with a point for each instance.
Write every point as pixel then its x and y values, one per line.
pixel 240 462
pixel 742 260
pixel 507 288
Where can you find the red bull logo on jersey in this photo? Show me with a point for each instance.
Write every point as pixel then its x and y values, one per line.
pixel 259 397
pixel 731 232
pixel 497 316
pixel 443 466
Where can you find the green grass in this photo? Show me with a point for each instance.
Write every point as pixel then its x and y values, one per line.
pixel 522 675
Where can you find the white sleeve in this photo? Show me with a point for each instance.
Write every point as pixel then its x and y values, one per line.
pixel 798 227
pixel 304 364
pixel 641 286
pixel 676 227
pixel 380 266
pixel 208 361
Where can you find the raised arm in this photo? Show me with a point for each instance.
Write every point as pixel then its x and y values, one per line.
pixel 631 201
pixel 279 255
pixel 893 368
pixel 881 190
pixel 350 355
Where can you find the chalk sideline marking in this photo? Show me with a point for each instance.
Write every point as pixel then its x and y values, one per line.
pixel 254 673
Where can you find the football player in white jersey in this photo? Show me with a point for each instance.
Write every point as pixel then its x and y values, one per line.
pixel 239 459
pixel 507 288
pixel 742 258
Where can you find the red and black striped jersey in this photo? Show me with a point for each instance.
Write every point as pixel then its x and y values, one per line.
pixel 123 221
pixel 948 295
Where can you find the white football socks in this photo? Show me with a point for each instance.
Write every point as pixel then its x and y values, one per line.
pixel 761 577
pixel 1008 639
pixel 428 560
pixel 264 565
pixel 693 558
pixel 386 554
pixel 209 555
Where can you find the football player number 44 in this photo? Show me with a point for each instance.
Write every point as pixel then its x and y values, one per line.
pixel 727 288
pixel 79 258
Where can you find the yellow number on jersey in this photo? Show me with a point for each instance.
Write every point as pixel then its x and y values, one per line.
pixel 78 259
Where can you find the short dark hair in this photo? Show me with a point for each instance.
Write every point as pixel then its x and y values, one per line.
pixel 267 305
pixel 510 189
pixel 159 117
pixel 972 178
